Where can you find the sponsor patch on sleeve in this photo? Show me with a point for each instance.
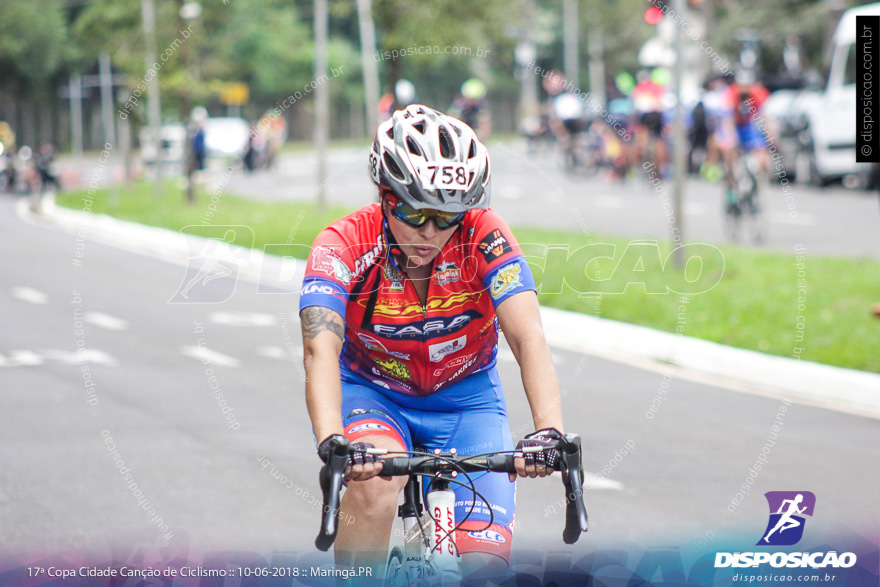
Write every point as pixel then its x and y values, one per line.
pixel 494 245
pixel 505 281
pixel 327 261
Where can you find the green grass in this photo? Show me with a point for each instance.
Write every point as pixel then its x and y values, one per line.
pixel 739 297
pixel 815 308
pixel 270 222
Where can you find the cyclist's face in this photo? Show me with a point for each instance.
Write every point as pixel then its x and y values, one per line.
pixel 419 244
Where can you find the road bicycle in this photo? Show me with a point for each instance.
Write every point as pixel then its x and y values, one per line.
pixel 743 202
pixel 428 554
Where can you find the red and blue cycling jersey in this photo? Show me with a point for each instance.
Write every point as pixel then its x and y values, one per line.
pixel 391 338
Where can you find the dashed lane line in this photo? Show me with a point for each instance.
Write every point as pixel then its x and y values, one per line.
pixel 30 295
pixel 207 355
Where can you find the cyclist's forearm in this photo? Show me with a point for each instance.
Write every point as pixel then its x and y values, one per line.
pixel 322 332
pixel 541 385
pixel 323 394
pixel 520 319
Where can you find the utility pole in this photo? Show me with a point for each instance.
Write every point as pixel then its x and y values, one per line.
pixel 322 99
pixel 680 152
pixel 187 11
pixel 571 42
pixel 368 62
pixel 105 74
pixel 525 55
pixel 148 14
pixel 76 129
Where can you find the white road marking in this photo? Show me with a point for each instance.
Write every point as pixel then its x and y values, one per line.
pixel 26 358
pixel 695 209
pixel 273 352
pixel 91 356
pixel 21 358
pixel 30 295
pixel 801 219
pixel 242 318
pixel 207 355
pixel 105 321
pixel 599 483
pixel 608 202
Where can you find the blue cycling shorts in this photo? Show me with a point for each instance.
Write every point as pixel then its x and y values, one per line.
pixel 750 137
pixel 470 416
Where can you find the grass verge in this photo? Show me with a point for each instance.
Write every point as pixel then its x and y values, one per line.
pixel 797 305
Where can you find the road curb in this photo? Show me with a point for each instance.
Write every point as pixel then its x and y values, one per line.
pixel 836 388
pixel 845 390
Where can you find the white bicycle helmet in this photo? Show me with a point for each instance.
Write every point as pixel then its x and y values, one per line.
pixel 431 160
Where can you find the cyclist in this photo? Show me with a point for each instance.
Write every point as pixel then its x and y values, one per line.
pixel 647 98
pixel 740 128
pixel 400 308
pixel 472 108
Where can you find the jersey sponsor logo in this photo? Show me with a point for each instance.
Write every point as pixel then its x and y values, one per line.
pixel 461 370
pixel 433 328
pixel 489 535
pixel 395 277
pixel 439 350
pixel 494 245
pixel 327 261
pixel 453 363
pixel 505 280
pixel 446 273
pixel 366 426
pixel 401 307
pixel 374 344
pixel 369 258
pixel 323 289
pixel 395 368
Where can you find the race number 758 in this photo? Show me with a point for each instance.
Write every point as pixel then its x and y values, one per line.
pixel 448 176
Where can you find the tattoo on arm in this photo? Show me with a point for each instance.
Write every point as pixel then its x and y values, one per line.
pixel 316 319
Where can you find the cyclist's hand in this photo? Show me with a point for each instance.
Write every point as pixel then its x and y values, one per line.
pixel 361 464
pixel 540 463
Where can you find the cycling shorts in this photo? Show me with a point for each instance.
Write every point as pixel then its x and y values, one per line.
pixel 470 416
pixel 750 137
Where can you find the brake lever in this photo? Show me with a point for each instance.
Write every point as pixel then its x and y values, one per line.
pixel 331 484
pixel 576 520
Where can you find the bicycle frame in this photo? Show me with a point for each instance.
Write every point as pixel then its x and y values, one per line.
pixel 429 547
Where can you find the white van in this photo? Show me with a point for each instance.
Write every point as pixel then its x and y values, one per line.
pixel 831 113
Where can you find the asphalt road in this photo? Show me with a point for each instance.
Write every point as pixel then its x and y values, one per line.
pixel 674 453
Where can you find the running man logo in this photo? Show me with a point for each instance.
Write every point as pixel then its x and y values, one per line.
pixel 787 511
pixel 213 262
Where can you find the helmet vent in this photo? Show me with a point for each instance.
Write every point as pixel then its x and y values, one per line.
pixel 413 146
pixel 419 126
pixel 392 168
pixel 472 151
pixel 447 148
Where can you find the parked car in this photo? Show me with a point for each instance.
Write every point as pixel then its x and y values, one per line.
pixel 830 113
pixel 786 123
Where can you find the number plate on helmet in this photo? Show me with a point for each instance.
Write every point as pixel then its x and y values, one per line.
pixel 447 176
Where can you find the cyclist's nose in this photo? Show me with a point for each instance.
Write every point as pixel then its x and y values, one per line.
pixel 429 229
